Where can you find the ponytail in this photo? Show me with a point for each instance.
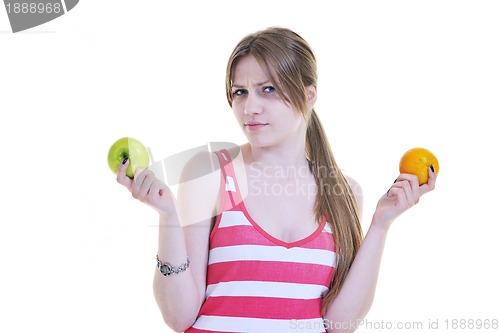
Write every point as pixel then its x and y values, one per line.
pixel 336 201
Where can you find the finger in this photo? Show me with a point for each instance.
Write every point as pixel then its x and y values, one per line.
pixel 121 176
pixel 138 172
pixel 393 191
pixel 164 190
pixel 397 194
pixel 409 183
pixel 406 193
pixel 431 182
pixel 145 189
pixel 137 184
pixel 432 178
pixel 155 193
pixel 401 196
pixel 412 180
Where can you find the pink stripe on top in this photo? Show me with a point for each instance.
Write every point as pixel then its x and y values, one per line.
pixel 256 282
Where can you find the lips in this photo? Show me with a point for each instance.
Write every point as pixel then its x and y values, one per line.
pixel 253 125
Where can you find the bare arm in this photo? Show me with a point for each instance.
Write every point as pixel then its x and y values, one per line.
pixel 356 296
pixel 184 229
pixel 180 297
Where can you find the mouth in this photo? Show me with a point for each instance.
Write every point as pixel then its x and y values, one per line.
pixel 253 126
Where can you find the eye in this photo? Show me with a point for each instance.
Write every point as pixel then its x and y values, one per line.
pixel 239 92
pixel 269 89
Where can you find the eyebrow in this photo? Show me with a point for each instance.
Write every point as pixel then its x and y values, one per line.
pixel 258 84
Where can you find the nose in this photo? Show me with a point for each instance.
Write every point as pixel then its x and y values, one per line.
pixel 253 104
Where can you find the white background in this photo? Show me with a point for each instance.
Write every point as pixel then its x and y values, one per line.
pixel 77 253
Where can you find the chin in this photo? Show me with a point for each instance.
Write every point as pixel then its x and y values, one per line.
pixel 261 142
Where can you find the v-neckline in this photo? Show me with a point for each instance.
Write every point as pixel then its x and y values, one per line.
pixel 276 240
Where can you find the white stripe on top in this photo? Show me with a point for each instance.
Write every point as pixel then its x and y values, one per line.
pixel 237 218
pixel 266 289
pixel 271 253
pixel 257 325
pixel 233 218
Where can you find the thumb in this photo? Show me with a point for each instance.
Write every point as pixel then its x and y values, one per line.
pixel 121 174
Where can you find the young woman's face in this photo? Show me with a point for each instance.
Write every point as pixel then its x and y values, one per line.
pixel 264 117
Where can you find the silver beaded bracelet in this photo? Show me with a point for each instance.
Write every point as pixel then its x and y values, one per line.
pixel 167 269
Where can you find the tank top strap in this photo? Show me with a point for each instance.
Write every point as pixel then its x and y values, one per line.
pixel 229 192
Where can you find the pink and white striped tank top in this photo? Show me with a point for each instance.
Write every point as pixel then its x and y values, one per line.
pixel 257 283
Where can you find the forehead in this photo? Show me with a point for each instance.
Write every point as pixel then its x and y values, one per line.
pixel 248 71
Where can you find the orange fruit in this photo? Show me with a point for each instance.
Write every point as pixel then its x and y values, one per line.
pixel 416 161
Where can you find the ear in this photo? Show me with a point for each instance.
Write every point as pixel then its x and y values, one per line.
pixel 311 96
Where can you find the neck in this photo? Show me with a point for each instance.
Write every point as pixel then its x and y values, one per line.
pixel 286 161
pixel 277 156
pixel 290 154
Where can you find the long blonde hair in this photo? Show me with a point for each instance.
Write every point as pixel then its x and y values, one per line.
pixel 294 67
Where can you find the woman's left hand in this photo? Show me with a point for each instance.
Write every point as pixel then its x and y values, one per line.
pixel 403 194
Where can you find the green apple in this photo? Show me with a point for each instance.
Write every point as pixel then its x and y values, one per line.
pixel 129 148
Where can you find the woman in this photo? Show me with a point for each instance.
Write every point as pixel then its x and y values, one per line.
pixel 273 233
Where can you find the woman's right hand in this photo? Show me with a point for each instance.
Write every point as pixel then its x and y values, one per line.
pixel 147 188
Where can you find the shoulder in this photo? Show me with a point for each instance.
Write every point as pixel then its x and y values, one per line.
pixel 201 164
pixel 205 162
pixel 355 186
pixel 357 190
pixel 199 187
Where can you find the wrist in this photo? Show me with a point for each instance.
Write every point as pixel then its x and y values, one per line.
pixel 167 269
pixel 169 220
pixel 381 224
